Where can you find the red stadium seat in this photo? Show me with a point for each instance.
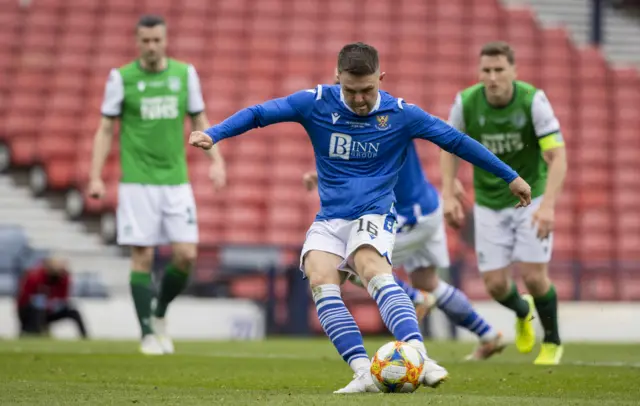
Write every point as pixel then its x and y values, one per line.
pixel 48 6
pixel 78 23
pixel 367 317
pixel 60 174
pixel 55 57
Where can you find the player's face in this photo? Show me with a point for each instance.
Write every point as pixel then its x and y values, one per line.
pixel 360 92
pixel 497 75
pixel 152 43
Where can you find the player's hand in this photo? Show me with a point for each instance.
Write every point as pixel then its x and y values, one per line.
pixel 96 189
pixel 453 211
pixel 458 190
pixel 218 175
pixel 310 180
pixel 520 188
pixel 543 220
pixel 200 140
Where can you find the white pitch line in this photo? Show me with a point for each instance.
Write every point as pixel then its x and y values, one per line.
pixel 246 355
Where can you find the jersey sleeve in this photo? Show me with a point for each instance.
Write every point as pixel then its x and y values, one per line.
pixel 423 125
pixel 456 114
pixel 294 108
pixel 545 123
pixel 113 95
pixel 195 101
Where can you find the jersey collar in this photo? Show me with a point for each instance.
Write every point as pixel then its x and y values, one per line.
pixel 373 110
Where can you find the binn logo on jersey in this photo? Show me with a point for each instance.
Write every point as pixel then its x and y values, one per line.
pixel 343 146
pixel 157 108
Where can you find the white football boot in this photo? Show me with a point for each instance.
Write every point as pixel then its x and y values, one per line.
pixel 160 328
pixel 150 345
pixel 432 373
pixel 362 382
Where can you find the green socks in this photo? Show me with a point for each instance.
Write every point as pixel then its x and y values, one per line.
pixel 515 302
pixel 173 283
pixel 547 307
pixel 142 295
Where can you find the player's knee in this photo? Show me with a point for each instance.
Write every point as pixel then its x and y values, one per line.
pixel 497 283
pixel 321 268
pixel 369 263
pixel 535 278
pixel 425 278
pixel 184 256
pixel 142 258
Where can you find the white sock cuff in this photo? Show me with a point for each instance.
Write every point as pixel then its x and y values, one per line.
pixel 441 289
pixel 328 290
pixel 359 364
pixel 378 282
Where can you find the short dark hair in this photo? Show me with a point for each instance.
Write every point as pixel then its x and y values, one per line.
pixel 150 21
pixel 358 59
pixel 499 48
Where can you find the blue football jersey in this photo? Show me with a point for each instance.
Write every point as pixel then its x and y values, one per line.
pixel 415 195
pixel 358 157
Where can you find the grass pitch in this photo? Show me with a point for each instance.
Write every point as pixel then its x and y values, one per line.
pixel 299 372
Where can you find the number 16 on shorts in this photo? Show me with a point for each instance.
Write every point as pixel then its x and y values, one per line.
pixel 375 230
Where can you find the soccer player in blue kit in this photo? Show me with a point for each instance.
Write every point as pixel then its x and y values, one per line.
pixel 360 136
pixel 421 248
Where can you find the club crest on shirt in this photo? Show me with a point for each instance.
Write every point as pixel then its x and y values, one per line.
pixel 174 83
pixel 383 123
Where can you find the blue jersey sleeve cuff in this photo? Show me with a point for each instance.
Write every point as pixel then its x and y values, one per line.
pixel 511 176
pixel 212 134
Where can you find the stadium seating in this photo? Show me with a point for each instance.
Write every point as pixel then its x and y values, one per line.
pixel 55 56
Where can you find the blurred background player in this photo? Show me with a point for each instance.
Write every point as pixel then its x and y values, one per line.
pixel 156 206
pixel 355 228
pixel 43 298
pixel 515 121
pixel 421 248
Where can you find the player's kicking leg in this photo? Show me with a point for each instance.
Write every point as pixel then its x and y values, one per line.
pixel 179 224
pixel 369 250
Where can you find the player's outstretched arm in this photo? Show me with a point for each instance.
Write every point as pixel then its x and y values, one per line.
pixel 293 108
pixel 426 126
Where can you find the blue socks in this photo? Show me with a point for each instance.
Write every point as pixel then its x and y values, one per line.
pixel 339 325
pixel 396 309
pixel 458 309
pixel 414 294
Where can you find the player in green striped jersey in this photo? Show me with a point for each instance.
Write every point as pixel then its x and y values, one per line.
pixel 517 123
pixel 151 97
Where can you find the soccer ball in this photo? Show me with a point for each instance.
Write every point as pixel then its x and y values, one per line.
pixel 396 367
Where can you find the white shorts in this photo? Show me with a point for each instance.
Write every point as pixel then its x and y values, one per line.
pixel 151 215
pixel 344 237
pixel 424 245
pixel 506 236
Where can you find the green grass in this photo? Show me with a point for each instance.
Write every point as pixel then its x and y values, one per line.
pixel 298 372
